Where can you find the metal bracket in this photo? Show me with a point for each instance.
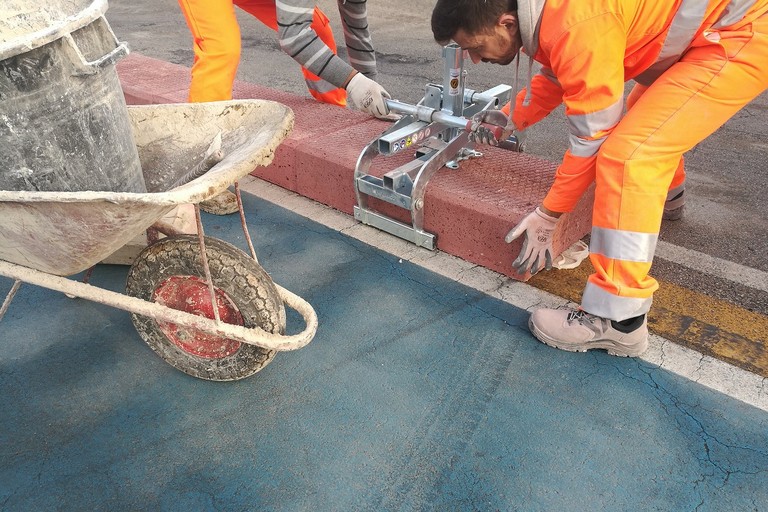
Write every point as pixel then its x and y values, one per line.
pixel 437 131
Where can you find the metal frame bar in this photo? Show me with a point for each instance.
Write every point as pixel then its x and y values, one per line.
pixel 439 132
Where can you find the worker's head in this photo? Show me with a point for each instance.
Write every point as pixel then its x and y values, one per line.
pixel 487 29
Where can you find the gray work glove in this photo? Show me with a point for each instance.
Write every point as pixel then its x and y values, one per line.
pixel 536 253
pixel 483 134
pixel 368 96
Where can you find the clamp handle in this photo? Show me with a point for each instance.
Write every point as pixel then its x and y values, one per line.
pixel 496 130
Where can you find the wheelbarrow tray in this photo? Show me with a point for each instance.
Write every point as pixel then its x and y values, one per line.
pixel 63 233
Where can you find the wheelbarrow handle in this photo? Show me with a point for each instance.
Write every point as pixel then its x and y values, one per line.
pixel 252 335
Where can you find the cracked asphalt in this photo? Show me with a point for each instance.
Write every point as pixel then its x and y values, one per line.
pixel 417 393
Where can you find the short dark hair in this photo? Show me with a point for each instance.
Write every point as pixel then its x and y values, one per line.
pixel 473 16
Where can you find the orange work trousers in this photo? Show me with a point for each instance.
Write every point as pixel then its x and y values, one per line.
pixel 217 46
pixel 641 159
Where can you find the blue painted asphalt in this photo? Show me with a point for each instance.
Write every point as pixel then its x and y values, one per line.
pixel 417 393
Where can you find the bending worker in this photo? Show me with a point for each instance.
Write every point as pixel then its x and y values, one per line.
pixel 697 63
pixel 305 34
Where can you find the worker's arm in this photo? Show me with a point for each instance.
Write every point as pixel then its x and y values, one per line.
pixel 357 36
pixel 588 61
pixel 363 92
pixel 300 41
pixel 546 95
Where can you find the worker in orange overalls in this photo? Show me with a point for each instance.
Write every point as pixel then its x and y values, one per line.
pixel 696 64
pixel 305 34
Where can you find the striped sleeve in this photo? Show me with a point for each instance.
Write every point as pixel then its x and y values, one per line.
pixel 357 36
pixel 301 42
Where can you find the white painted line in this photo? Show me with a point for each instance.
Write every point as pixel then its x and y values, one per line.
pixel 710 265
pixel 705 370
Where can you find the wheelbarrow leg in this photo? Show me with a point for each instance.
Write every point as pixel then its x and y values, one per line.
pixel 204 261
pixel 9 298
pixel 204 257
pixel 242 221
pixel 88 274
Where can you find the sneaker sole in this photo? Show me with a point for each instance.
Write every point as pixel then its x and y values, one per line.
pixel 613 348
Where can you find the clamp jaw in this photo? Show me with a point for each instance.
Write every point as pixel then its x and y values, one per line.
pixel 440 130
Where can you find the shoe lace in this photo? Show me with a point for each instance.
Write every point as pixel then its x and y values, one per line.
pixel 579 315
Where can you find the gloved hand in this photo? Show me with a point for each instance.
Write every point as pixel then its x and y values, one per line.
pixel 536 253
pixel 484 135
pixel 366 95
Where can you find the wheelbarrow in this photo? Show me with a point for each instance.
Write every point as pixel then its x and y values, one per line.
pixel 205 306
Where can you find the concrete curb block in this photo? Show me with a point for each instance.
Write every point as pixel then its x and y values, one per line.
pixel 470 209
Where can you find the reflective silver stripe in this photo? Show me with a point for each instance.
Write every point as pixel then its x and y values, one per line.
pixel 286 42
pixel 365 64
pixel 623 245
pixel 587 125
pixel 303 44
pixel 686 22
pixel 317 55
pixel 320 86
pixel 550 75
pixel 599 302
pixel 357 36
pixel 294 8
pixel 584 147
pixel 673 192
pixel 734 12
pixel 350 13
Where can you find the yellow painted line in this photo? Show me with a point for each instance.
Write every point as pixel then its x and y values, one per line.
pixel 708 325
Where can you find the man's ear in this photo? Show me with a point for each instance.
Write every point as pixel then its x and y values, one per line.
pixel 509 21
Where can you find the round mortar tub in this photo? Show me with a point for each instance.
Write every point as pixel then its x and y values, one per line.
pixel 64 124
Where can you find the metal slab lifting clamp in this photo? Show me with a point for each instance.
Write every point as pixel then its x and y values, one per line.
pixel 437 129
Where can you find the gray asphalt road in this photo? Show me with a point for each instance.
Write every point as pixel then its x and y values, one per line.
pixel 727 173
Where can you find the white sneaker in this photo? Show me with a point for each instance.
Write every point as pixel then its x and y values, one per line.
pixel 578 331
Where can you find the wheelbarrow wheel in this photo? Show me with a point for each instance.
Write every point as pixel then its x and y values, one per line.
pixel 170 272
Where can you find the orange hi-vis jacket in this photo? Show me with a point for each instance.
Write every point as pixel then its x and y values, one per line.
pixel 590 49
pixel 696 63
